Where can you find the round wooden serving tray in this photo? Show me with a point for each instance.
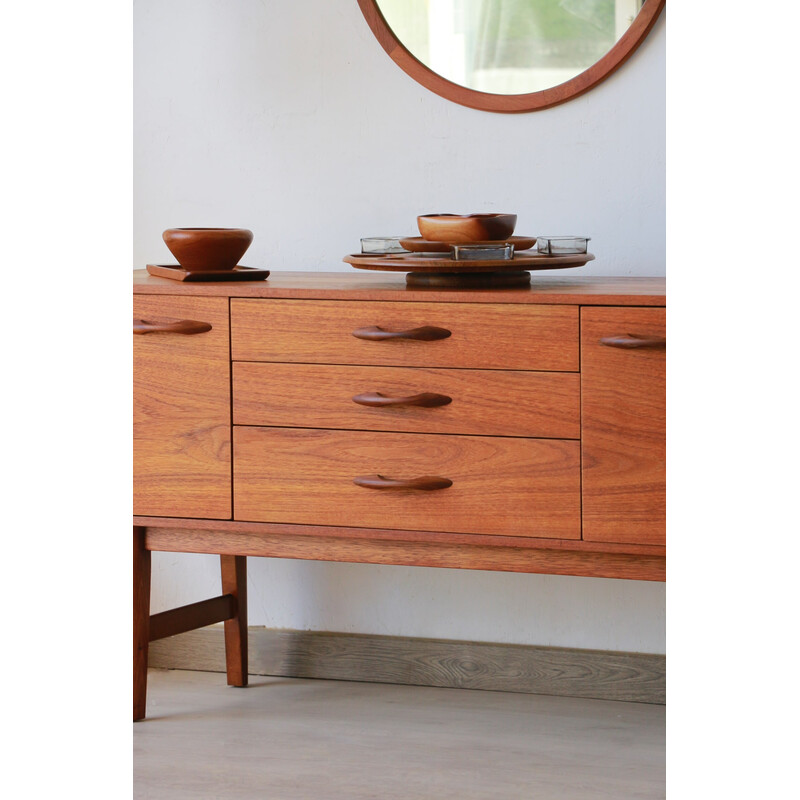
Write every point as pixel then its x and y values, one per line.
pixel 419 245
pixel 424 270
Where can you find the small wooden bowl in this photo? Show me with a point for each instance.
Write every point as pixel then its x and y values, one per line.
pixel 207 249
pixel 456 228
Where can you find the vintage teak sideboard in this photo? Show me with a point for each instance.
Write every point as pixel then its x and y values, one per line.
pixel 346 417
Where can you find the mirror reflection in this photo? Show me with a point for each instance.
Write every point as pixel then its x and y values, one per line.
pixel 509 46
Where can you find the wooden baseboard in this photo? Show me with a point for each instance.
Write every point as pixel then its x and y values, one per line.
pixel 633 677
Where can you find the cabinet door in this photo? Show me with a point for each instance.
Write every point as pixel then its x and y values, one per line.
pixel 181 408
pixel 623 419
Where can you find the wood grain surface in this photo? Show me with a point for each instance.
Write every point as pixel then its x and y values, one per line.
pixel 416 244
pixel 233 571
pixel 400 535
pixel 359 285
pixel 623 417
pixel 195 615
pixel 419 263
pixel 241 539
pixel 558 671
pixel 490 336
pixel 181 411
pixel 141 620
pixel 500 485
pixel 484 402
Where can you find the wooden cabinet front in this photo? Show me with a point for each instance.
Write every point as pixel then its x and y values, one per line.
pixel 515 487
pixel 473 335
pixel 531 435
pixel 623 424
pixel 415 399
pixel 181 408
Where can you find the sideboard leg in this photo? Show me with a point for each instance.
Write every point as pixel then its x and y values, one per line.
pixel 234 581
pixel 141 621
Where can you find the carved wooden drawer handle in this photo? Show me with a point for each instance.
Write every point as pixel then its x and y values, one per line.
pixel 187 327
pixel 426 482
pixel 425 399
pixel 633 340
pixel 427 333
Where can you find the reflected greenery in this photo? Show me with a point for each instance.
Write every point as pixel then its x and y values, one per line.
pixel 509 46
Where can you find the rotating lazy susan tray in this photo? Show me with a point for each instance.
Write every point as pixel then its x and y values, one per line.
pixel 435 270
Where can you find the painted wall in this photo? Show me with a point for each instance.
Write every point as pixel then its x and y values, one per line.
pixel 288 118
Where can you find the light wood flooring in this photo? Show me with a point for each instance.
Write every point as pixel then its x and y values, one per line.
pixel 286 738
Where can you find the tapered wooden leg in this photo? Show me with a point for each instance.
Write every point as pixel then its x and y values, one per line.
pixel 234 581
pixel 141 621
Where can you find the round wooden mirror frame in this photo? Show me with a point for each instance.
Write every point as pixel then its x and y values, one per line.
pixel 514 103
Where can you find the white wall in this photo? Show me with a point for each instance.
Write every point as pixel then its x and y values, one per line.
pixel 288 118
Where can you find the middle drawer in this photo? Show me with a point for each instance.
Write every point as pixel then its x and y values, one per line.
pixel 422 400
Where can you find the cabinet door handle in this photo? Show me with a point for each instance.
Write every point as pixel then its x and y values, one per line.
pixel 425 399
pixel 426 482
pixel 427 333
pixel 187 327
pixel 631 341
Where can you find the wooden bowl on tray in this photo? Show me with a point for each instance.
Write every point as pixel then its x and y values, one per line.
pixel 465 228
pixel 207 249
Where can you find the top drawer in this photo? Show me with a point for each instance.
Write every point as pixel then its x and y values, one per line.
pixel 476 335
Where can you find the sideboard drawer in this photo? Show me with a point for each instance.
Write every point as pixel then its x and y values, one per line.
pixel 514 487
pixel 419 399
pixel 477 335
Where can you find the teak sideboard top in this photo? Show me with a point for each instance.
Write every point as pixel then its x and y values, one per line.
pixel 530 438
pixel 588 291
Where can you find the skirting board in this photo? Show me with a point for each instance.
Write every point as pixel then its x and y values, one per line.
pixel 633 677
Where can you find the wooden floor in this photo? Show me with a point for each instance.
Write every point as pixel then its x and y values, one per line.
pixel 283 738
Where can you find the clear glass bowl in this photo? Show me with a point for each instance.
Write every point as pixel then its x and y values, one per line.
pixel 562 245
pixel 482 252
pixel 379 245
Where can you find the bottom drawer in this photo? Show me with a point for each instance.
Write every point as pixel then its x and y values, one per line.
pixel 513 487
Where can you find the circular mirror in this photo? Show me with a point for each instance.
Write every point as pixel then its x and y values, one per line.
pixel 510 55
